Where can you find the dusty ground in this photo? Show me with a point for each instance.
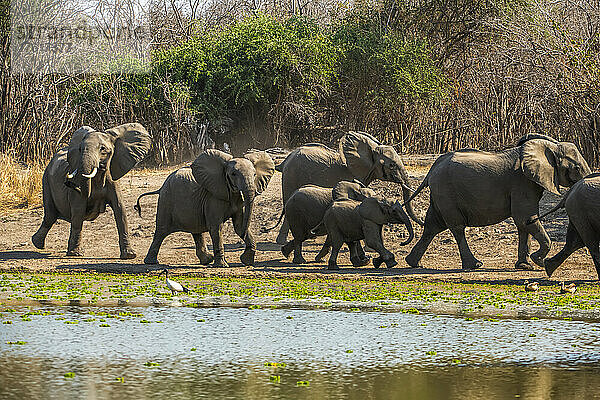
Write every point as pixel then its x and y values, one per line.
pixel 496 245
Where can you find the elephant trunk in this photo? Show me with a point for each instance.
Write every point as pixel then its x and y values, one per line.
pixel 88 170
pixel 248 194
pixel 406 193
pixel 411 232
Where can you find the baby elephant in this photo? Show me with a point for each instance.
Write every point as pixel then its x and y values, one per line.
pixel 201 198
pixel 348 221
pixel 582 203
pixel 305 209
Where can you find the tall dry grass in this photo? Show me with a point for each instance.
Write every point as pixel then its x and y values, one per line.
pixel 20 186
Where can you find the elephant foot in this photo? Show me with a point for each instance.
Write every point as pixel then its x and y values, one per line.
pixel 298 259
pixel 360 261
pixel 524 266
pixel 74 253
pixel 472 265
pixel 204 258
pixel 538 258
pixel 150 260
pixel 550 267
pixel 287 249
pixel 412 261
pixel 38 240
pixel 247 257
pixel 377 261
pixel 332 266
pixel 220 262
pixel 128 254
pixel 391 263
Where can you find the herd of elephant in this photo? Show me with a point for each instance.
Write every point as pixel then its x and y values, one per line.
pixel 325 192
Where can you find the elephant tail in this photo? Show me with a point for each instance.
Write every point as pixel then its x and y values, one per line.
pixel 137 206
pixel 561 204
pixel 319 230
pixel 264 229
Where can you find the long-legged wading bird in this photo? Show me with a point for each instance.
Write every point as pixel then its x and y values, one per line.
pixel 174 286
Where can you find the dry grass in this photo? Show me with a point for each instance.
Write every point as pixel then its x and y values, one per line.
pixel 20 186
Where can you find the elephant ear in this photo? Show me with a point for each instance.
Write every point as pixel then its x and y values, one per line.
pixel 265 168
pixel 73 154
pixel 356 150
pixel 209 171
pixel 538 163
pixel 372 208
pixel 132 144
pixel 348 190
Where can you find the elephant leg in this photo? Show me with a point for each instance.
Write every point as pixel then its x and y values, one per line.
pixel 216 235
pixel 573 242
pixel 591 240
pixel 433 225
pixel 374 239
pixel 336 245
pixel 467 258
pixel 357 255
pixel 523 259
pixel 247 257
pixel 73 249
pixel 298 258
pixel 283 232
pixel 324 250
pixel 539 234
pixel 201 249
pixel 50 217
pixel 122 227
pixel 151 256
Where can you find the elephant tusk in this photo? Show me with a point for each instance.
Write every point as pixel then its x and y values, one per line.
pixel 242 194
pixel 72 174
pixel 93 174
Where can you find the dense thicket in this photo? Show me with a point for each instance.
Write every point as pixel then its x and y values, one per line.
pixel 426 76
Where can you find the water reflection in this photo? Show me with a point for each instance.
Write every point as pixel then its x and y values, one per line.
pixel 342 355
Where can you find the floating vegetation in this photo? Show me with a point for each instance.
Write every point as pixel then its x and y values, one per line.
pixel 349 351
pixel 151 364
pixel 69 375
pixel 193 349
pixel 104 326
pixel 254 307
pixel 7 322
pixel 302 383
pixel 275 364
pixel 18 342
pixel 431 353
pixel 120 379
pixel 289 317
pixel 275 378
pixel 200 320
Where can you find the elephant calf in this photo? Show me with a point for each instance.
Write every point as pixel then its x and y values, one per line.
pixel 202 197
pixel 305 209
pixel 582 203
pixel 348 221
pixel 81 180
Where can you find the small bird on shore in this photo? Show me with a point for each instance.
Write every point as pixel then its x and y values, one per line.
pixel 532 286
pixel 174 286
pixel 570 288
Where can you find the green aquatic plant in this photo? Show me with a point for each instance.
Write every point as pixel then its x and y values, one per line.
pixel 193 349
pixel 302 383
pixel 151 364
pixel 7 322
pixel 275 364
pixel 120 379
pixel 431 353
pixel 349 351
pixel 18 342
pixel 69 375
pixel 275 378
pixel 104 326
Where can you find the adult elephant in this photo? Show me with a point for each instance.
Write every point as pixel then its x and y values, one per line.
pixel 202 197
pixel 477 188
pixel 360 156
pixel 81 180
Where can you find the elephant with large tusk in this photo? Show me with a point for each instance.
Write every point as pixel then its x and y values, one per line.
pixel 478 188
pixel 202 197
pixel 81 180
pixel 360 156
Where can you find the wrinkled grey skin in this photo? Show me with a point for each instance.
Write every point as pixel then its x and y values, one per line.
pixel 348 221
pixel 78 198
pixel 477 188
pixel 200 198
pixel 582 203
pixel 305 209
pixel 360 157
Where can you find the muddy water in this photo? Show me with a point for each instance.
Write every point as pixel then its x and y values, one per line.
pixel 220 353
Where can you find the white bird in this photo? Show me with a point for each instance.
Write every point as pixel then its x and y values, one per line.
pixel 174 286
